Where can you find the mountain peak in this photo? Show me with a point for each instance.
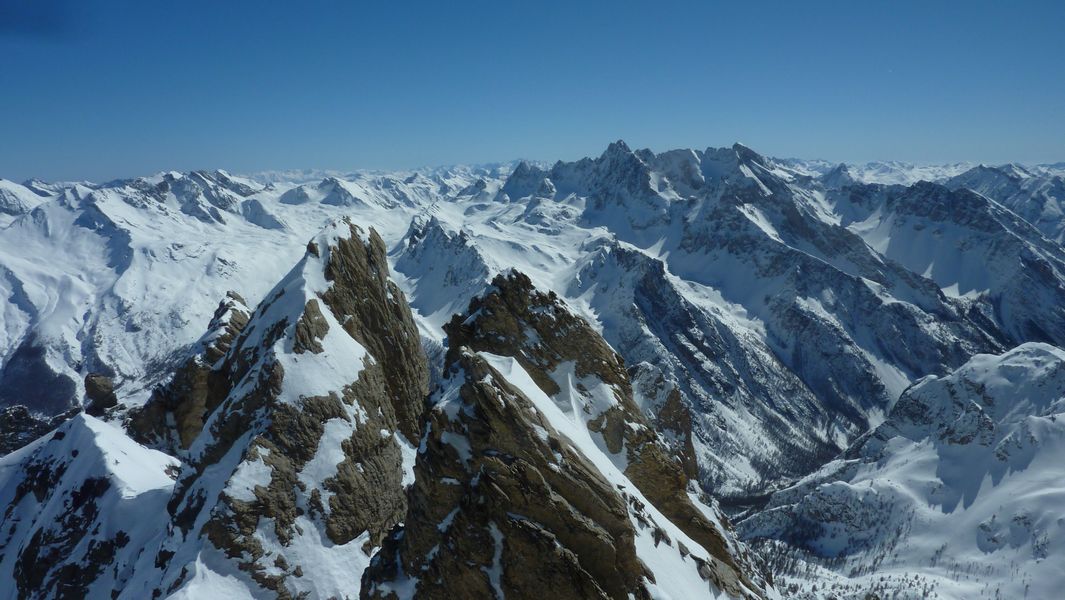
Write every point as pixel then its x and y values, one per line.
pixel 746 155
pixel 617 150
pixel 840 176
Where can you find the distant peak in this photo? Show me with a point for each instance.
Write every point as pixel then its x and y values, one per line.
pixel 330 181
pixel 522 168
pixel 839 176
pixel 746 154
pixel 618 148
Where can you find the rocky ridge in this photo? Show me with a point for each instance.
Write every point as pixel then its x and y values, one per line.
pixel 766 315
pixel 513 494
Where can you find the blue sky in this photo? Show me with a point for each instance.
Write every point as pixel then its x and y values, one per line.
pixel 104 89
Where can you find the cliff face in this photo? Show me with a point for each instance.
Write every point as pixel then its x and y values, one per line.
pixel 296 425
pixel 326 386
pixel 539 471
pixel 175 413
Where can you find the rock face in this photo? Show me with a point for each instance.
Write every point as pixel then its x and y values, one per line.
pixel 491 517
pixel 306 455
pixel 175 413
pixel 538 471
pixel 296 422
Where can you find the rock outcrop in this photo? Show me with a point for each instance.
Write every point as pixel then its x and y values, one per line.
pixel 310 445
pixel 100 393
pixel 538 471
pixel 175 413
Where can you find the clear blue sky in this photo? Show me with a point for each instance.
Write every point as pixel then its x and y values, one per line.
pixel 105 89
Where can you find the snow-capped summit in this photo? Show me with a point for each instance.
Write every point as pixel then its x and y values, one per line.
pixel 1036 197
pixel 15 200
pixel 524 181
pixel 839 177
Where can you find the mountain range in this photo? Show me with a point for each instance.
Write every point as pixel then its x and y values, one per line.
pixel 695 373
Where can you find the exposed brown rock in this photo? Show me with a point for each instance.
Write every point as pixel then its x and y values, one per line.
pixel 387 395
pixel 501 499
pixel 311 327
pixel 374 312
pixel 673 417
pixel 514 319
pixel 100 391
pixel 520 506
pixel 175 414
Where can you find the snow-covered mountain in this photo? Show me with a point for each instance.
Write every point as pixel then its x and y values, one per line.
pixel 308 451
pixel 1036 194
pixel 16 200
pixel 956 495
pixel 765 315
pixel 890 172
pixel 679 233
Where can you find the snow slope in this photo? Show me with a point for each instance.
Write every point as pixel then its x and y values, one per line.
pixel 956 495
pixel 81 504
